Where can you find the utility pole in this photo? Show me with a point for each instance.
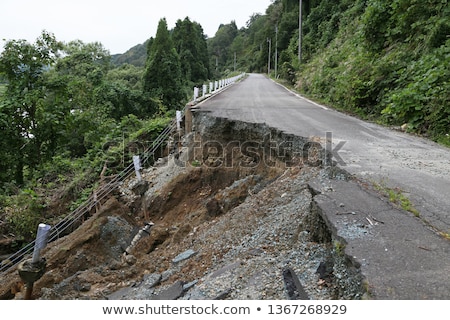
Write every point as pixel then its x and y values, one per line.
pixel 270 50
pixel 276 50
pixel 300 33
pixel 235 61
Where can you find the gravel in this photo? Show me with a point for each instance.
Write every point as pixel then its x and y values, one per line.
pixel 246 250
pixel 269 243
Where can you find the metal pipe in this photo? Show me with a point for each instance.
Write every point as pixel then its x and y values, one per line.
pixel 276 51
pixel 270 51
pixel 41 241
pixel 29 291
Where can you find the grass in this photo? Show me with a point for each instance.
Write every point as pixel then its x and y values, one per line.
pixel 196 163
pixel 397 197
pixel 445 235
pixel 339 247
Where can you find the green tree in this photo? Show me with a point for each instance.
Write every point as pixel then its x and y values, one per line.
pixel 74 109
pixel 256 34
pixel 23 66
pixel 162 78
pixel 219 46
pixel 190 43
pixel 122 89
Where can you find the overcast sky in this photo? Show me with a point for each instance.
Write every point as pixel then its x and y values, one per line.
pixel 118 25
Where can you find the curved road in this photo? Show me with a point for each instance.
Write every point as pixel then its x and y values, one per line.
pixel 418 167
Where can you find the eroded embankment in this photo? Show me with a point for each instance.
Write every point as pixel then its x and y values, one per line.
pixel 235 218
pixel 301 160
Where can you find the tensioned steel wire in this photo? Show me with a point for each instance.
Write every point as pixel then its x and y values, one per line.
pixel 101 194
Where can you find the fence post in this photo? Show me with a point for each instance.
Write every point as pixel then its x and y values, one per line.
pixel 195 94
pixel 41 241
pixel 179 117
pixel 32 270
pixel 137 167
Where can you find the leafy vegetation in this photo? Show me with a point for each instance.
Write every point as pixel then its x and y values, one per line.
pixel 66 112
pixel 397 197
pixel 387 61
pixel 67 109
pixel 162 78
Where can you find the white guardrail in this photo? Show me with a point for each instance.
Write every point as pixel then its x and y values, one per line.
pixel 214 87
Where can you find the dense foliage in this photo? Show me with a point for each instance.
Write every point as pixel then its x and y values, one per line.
pixel 65 113
pixel 190 43
pixel 162 78
pixel 387 61
pixel 67 109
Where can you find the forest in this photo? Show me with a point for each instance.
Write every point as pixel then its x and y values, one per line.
pixel 70 110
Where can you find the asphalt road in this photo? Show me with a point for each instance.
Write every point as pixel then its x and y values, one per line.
pixel 416 166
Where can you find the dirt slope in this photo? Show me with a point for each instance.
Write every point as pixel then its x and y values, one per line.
pixel 247 230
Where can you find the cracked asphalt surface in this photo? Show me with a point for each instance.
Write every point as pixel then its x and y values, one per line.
pixel 404 255
pixel 418 167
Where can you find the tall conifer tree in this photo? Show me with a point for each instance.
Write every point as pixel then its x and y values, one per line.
pixel 191 45
pixel 162 78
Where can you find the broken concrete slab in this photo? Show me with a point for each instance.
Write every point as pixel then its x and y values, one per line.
pixel 225 269
pixel 172 293
pixel 151 280
pixel 121 294
pixel 399 256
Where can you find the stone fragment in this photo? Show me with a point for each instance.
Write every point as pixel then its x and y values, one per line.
pixel 172 293
pixel 151 280
pixel 184 256
pixel 293 286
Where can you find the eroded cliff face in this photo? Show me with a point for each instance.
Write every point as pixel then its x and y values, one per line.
pixel 234 218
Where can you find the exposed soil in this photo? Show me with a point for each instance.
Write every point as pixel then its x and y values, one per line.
pixel 233 218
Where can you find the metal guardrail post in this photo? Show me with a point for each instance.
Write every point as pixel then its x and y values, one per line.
pixel 32 270
pixel 15 259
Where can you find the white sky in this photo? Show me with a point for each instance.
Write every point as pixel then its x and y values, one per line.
pixel 118 25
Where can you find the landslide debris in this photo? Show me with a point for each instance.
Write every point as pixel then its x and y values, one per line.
pixel 233 215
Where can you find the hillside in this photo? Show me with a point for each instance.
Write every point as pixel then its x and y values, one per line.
pixel 136 56
pixel 83 118
pixel 273 223
pixel 220 232
pixel 387 61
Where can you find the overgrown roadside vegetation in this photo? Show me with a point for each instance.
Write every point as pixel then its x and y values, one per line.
pixel 69 118
pixel 69 110
pixel 397 197
pixel 385 61
pixel 388 62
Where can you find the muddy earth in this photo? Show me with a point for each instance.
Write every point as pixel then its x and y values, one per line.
pixel 228 214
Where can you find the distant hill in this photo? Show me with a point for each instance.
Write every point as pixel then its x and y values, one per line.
pixel 135 56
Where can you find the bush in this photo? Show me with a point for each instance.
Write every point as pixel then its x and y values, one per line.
pixel 23 213
pixel 421 98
